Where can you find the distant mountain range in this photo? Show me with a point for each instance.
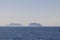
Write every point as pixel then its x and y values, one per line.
pixel 30 25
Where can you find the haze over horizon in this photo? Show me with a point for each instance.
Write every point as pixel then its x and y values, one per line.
pixel 46 12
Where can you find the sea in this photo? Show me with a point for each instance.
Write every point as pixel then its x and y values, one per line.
pixel 29 33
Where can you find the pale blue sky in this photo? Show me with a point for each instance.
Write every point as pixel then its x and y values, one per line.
pixel 46 12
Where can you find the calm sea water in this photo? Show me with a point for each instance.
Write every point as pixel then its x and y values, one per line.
pixel 29 33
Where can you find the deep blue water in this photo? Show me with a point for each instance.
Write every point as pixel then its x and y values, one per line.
pixel 29 33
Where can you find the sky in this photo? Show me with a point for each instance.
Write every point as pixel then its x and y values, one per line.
pixel 45 12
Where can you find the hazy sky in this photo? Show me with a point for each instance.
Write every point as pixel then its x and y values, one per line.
pixel 46 12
